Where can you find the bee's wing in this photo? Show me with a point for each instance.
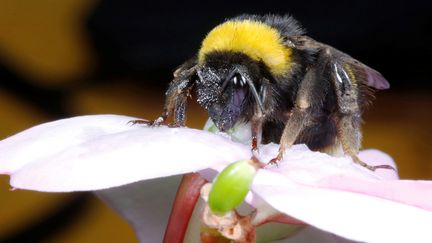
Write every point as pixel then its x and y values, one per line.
pixel 358 72
pixel 362 73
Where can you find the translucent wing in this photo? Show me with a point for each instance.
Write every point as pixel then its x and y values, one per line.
pixel 357 72
pixel 362 73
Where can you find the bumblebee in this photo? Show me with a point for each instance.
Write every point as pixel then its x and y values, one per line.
pixel 291 88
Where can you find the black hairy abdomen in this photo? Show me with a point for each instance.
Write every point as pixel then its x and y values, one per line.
pixel 320 130
pixel 318 135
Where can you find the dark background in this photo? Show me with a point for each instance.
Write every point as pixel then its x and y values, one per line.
pixel 73 57
pixel 394 37
pixel 143 41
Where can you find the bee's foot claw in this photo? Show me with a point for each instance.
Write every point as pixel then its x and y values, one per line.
pixel 142 121
pixel 151 123
pixel 387 167
pixel 372 167
pixel 274 161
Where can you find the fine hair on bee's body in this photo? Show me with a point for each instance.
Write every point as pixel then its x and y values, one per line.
pixel 291 88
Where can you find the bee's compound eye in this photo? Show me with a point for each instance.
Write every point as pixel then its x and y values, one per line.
pixel 235 79
pixel 238 79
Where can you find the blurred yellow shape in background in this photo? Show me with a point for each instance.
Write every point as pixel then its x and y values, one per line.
pixel 129 99
pixel 45 39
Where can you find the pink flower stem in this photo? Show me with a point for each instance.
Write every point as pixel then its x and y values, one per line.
pixel 184 203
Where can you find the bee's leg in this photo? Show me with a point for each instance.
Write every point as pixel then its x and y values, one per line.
pixel 176 96
pixel 256 126
pixel 179 108
pixel 348 132
pixel 309 96
pixel 294 126
pixel 348 128
pixel 259 115
pixel 348 119
pixel 175 105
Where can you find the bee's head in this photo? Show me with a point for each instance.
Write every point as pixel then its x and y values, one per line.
pixel 233 60
pixel 225 89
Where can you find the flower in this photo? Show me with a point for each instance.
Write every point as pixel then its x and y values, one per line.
pixel 105 153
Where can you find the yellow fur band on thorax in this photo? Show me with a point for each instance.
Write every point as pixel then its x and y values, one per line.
pixel 255 39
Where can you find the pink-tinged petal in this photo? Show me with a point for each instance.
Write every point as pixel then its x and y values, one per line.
pixel 337 196
pixel 351 215
pixel 50 138
pixel 302 165
pixel 146 205
pixel 125 157
pixel 415 193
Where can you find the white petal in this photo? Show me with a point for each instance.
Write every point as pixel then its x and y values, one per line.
pixel 146 205
pixel 305 166
pixel 305 186
pixel 352 215
pixel 117 159
pixel 51 138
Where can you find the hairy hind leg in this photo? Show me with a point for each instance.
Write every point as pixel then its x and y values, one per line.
pixel 348 130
